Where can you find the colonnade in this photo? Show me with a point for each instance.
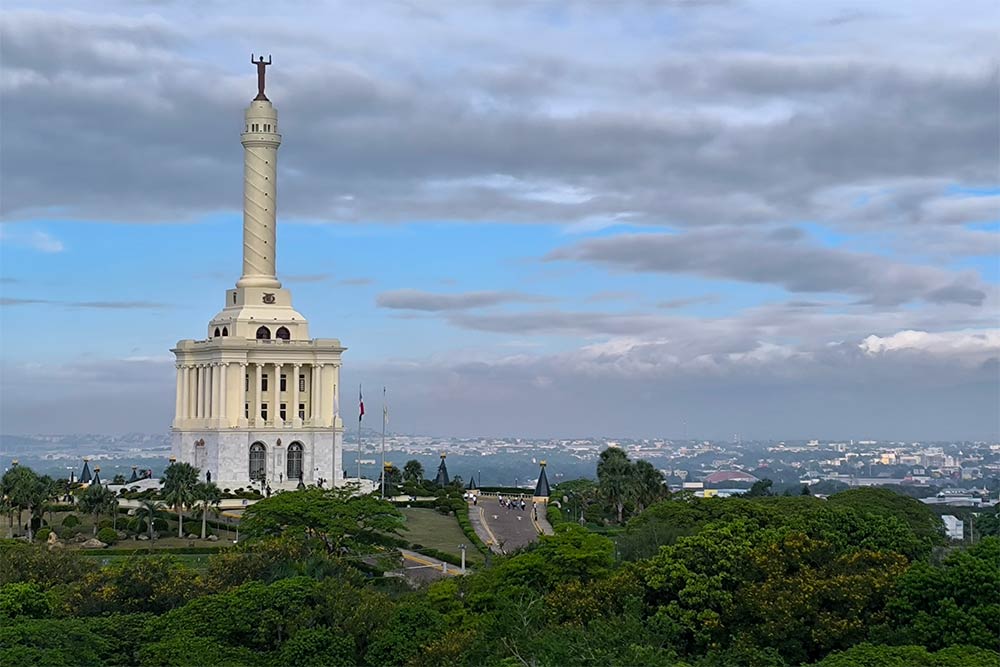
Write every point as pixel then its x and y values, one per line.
pixel 203 393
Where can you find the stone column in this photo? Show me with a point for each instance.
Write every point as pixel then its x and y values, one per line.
pixel 241 420
pixel 257 393
pixel 276 393
pixel 213 395
pixel 312 394
pixel 200 408
pixel 179 393
pixel 296 422
pixel 223 396
pixel 185 392
pixel 318 369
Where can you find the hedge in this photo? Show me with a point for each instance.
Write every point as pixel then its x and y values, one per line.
pixel 466 525
pixel 554 515
pixel 146 551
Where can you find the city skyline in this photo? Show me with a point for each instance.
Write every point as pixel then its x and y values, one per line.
pixel 707 231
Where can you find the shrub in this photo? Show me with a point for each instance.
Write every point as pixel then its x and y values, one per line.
pixel 65 533
pixel 71 521
pixel 105 523
pixel 107 535
pixel 137 525
pixel 160 525
pixel 43 534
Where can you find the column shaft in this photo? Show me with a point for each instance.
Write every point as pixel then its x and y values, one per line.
pixel 257 393
pixel 185 381
pixel 179 393
pixel 295 394
pixel 223 396
pixel 243 392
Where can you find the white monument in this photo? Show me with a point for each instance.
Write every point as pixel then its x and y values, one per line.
pixel 257 400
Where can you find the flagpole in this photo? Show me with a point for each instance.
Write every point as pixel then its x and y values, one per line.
pixel 385 414
pixel 360 415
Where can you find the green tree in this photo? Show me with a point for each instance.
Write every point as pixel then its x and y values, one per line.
pixel 153 584
pixel 869 655
pixel 148 508
pixel 413 471
pixel 957 602
pixel 179 482
pixel 616 479
pixel 649 484
pixel 760 488
pixel 25 491
pixel 207 497
pixel 97 500
pixel 922 520
pixel 339 521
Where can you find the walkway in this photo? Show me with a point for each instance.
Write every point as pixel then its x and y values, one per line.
pixel 505 530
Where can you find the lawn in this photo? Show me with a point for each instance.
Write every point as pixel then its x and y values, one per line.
pixel 437 531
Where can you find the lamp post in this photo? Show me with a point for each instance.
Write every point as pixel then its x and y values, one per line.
pixel 462 547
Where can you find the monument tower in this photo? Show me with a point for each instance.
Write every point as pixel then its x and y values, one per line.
pixel 257 399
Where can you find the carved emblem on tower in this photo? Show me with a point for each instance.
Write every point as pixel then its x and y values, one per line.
pixel 268 297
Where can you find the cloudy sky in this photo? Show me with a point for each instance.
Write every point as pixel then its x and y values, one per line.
pixel 571 218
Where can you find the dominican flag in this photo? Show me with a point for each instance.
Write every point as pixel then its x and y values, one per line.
pixel 361 404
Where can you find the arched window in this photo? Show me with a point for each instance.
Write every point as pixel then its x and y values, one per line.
pixel 216 332
pixel 263 333
pixel 294 461
pixel 258 456
pixel 225 331
pixel 282 333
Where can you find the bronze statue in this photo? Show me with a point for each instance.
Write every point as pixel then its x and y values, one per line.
pixel 260 76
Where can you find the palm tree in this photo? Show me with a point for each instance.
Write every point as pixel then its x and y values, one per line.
pixel 179 481
pixel 615 478
pixel 649 484
pixel 208 496
pixel 413 471
pixel 148 507
pixel 97 500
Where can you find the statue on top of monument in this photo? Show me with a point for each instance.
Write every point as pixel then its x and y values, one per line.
pixel 260 75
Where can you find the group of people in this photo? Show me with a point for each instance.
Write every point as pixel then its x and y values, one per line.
pixel 511 503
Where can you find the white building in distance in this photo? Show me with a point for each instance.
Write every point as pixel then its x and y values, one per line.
pixel 257 399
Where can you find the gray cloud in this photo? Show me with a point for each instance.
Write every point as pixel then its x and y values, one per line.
pixel 98 305
pixel 14 301
pixel 355 282
pixel 688 301
pixel 411 299
pixel 306 278
pixel 680 150
pixel 797 267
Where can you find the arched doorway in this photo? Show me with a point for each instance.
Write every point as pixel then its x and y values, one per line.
pixel 258 461
pixel 263 333
pixel 294 467
pixel 282 333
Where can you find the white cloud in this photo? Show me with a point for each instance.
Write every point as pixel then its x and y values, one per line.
pixel 971 344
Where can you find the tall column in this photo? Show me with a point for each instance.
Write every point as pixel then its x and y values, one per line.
pixel 260 160
pixel 257 393
pixel 320 413
pixel 223 396
pixel 185 373
pixel 312 395
pixel 201 391
pixel 179 393
pixel 213 390
pixel 296 422
pixel 242 410
pixel 276 393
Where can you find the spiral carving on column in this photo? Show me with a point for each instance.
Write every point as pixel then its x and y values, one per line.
pixel 259 193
